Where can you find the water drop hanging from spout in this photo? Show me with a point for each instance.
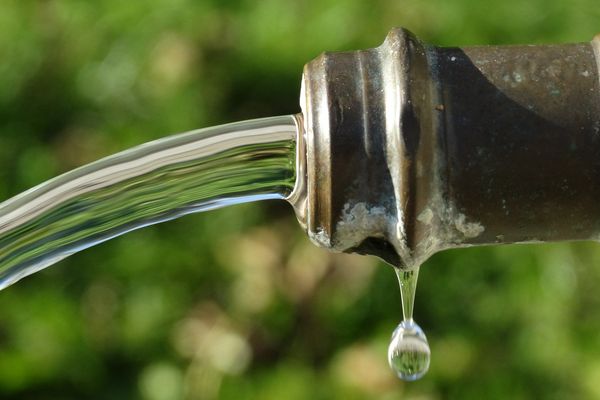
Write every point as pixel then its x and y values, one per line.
pixel 408 353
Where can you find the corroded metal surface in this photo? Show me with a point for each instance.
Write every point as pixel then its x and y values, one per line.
pixel 411 149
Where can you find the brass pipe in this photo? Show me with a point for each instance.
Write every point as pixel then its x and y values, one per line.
pixel 412 148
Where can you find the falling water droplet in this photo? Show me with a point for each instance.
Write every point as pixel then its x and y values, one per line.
pixel 408 354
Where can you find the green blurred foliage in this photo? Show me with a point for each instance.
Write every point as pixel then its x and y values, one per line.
pixel 237 304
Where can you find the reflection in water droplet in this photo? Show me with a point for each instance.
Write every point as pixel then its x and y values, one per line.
pixel 409 352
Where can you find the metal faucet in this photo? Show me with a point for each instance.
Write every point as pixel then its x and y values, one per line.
pixel 409 149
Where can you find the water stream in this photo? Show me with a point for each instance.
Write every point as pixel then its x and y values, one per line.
pixel 155 182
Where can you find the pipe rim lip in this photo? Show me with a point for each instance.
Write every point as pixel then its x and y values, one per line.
pixel 353 139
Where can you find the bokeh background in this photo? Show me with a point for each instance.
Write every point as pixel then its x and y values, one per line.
pixel 236 303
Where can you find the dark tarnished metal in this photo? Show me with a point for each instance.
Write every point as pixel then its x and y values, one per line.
pixel 411 149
